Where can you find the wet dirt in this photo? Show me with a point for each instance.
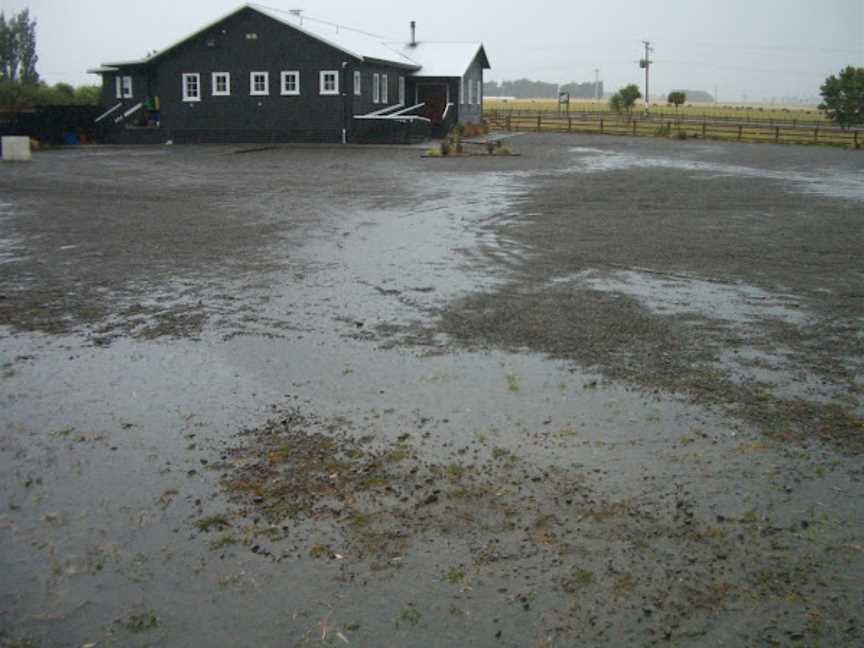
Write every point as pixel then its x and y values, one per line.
pixel 312 396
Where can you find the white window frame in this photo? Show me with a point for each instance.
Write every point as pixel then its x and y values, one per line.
pixel 283 83
pixel 189 76
pixel 322 84
pixel 376 88
pixel 358 84
pixel 259 93
pixel 215 81
pixel 385 89
pixel 462 90
pixel 402 90
pixel 123 87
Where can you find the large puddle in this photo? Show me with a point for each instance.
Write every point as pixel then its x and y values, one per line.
pixel 833 184
pixel 666 294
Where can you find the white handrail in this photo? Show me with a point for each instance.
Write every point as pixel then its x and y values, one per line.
pixel 132 110
pixel 108 112
pixel 447 110
pixel 382 111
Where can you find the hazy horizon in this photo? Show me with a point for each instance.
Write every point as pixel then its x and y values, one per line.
pixel 761 51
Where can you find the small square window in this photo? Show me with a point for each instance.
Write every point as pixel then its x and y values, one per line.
pixel 358 90
pixel 329 82
pixel 191 87
pixel 221 84
pixel 291 83
pixel 259 84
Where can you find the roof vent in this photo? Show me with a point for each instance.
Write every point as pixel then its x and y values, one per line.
pixel 413 33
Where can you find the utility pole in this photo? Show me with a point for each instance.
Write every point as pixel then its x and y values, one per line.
pixel 645 64
pixel 597 84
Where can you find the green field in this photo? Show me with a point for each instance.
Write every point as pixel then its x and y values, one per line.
pixel 718 112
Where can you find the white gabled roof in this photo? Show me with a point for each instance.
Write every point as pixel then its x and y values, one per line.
pixel 443 59
pixel 358 44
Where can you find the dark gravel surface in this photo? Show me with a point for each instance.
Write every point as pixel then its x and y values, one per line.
pixel 605 393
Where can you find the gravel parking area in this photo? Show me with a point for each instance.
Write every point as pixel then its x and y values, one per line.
pixel 608 392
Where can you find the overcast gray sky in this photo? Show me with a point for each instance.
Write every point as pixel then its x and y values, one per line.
pixel 758 48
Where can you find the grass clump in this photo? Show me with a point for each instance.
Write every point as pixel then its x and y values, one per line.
pixel 512 382
pixel 456 576
pixel 212 522
pixel 138 623
pixel 410 616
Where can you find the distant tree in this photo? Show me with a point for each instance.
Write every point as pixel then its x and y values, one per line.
pixel 89 95
pixel 16 95
pixel 625 99
pixel 18 56
pixel 843 97
pixel 677 98
pixel 25 30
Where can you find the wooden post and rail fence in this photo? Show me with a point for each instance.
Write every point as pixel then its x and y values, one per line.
pixel 610 124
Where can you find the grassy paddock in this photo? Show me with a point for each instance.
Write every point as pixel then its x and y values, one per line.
pixel 714 130
pixel 693 111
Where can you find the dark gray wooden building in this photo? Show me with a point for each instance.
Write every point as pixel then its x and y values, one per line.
pixel 261 75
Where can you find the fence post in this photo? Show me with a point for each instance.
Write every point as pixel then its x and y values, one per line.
pixel 740 133
pixel 569 124
pixel 816 136
pixel 704 130
pixel 509 115
pixel 601 126
pixel 539 122
pixel 856 139
pixel 777 135
pixel 634 127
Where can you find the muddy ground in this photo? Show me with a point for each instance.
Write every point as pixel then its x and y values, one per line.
pixel 605 393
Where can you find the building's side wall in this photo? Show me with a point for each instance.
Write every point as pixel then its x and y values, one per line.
pixel 229 47
pixel 471 113
pixel 243 117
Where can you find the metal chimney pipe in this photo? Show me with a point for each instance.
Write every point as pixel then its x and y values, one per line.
pixel 413 33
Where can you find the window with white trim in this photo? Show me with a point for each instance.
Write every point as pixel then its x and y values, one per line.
pixel 358 89
pixel 402 90
pixel 462 90
pixel 221 84
pixel 259 84
pixel 470 92
pixel 385 89
pixel 123 86
pixel 192 87
pixel 329 82
pixel 291 83
pixel 376 88
pixel 479 93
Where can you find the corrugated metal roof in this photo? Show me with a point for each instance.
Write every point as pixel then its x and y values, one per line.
pixel 442 59
pixel 429 59
pixel 353 42
pixel 358 43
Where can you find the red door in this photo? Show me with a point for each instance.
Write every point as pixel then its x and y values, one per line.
pixel 434 96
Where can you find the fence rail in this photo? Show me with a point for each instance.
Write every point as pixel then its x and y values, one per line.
pixel 523 121
pixel 729 115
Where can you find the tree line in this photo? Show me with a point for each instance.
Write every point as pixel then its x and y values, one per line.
pixel 20 84
pixel 528 89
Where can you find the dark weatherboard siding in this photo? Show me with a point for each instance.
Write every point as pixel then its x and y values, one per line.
pixel 229 47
